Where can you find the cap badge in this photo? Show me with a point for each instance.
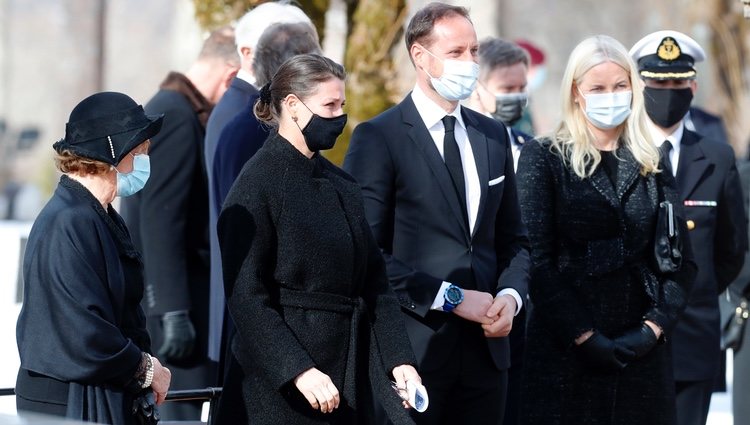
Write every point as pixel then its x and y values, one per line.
pixel 668 50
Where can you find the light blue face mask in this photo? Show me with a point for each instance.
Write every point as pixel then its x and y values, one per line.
pixel 132 182
pixel 607 110
pixel 458 80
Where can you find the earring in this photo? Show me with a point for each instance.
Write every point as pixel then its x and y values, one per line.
pixel 294 119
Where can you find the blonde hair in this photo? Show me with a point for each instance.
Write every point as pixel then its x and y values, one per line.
pixel 573 139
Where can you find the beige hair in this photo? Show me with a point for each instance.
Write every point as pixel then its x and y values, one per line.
pixel 573 139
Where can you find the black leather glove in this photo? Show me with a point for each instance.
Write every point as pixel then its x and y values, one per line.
pixel 639 340
pixel 179 336
pixel 603 353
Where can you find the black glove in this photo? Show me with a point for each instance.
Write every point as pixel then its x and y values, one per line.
pixel 603 353
pixel 639 340
pixel 179 336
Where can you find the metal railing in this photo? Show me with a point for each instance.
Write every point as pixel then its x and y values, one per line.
pixel 210 394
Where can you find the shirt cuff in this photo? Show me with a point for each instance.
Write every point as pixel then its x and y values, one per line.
pixel 437 304
pixel 513 293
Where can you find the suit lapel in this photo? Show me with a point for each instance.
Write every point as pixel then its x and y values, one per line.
pixel 479 148
pixel 693 164
pixel 420 136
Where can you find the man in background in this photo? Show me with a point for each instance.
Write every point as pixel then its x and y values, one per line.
pixel 168 220
pixel 501 92
pixel 247 33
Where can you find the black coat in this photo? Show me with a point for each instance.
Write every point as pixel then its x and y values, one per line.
pixel 81 320
pixel 304 282
pixel 591 247
pixel 415 216
pixel 707 172
pixel 168 219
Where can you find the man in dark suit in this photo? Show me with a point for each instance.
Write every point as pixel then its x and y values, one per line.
pixel 168 220
pixel 440 197
pixel 247 33
pixel 501 92
pixel 707 125
pixel 710 187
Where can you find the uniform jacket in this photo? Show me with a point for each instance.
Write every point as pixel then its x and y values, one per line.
pixel 81 320
pixel 415 216
pixel 305 284
pixel 592 248
pixel 707 172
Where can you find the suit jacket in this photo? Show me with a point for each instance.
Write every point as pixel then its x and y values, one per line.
pixel 241 138
pixel 416 218
pixel 230 104
pixel 707 172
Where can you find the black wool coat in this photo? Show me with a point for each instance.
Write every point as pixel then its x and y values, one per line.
pixel 306 287
pixel 591 248
pixel 81 320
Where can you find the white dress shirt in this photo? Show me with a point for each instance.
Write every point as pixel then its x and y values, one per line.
pixel 432 115
pixel 657 135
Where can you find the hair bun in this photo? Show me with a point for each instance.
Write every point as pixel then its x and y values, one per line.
pixel 265 93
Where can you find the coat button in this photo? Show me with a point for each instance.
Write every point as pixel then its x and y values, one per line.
pixel 690 224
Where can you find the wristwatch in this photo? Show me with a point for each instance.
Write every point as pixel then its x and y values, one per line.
pixel 452 298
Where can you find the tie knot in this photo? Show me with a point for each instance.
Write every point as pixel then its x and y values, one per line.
pixel 666 147
pixel 449 122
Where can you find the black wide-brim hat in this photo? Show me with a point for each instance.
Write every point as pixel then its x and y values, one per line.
pixel 106 126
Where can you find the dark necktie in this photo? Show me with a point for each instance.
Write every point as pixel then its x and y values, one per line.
pixel 665 149
pixel 453 162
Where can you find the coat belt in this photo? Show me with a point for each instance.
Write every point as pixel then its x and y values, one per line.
pixel 337 304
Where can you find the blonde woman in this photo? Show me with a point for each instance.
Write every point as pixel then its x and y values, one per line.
pixel 589 195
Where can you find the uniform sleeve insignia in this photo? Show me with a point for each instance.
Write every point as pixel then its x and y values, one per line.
pixel 668 50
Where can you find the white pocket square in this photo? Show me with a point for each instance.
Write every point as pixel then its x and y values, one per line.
pixel 497 180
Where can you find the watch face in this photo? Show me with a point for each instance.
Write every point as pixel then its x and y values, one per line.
pixel 453 295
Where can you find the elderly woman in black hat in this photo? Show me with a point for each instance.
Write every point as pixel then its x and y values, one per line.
pixel 81 332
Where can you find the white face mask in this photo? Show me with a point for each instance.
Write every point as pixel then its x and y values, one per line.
pixel 458 80
pixel 608 110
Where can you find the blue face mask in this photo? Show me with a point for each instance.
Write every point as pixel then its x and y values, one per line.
pixel 132 182
pixel 458 80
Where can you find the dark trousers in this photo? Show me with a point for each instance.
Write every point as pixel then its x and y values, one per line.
pixel 693 401
pixel 468 389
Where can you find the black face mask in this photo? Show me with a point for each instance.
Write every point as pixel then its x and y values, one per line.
pixel 666 107
pixel 321 133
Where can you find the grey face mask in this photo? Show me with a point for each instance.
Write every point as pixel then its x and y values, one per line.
pixel 509 107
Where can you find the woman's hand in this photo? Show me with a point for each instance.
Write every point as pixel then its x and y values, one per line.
pixel 161 381
pixel 404 373
pixel 318 389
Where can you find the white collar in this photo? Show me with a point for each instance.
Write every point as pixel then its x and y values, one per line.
pixel 430 112
pixel 246 76
pixel 657 135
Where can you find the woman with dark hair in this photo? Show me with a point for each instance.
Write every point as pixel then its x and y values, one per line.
pixel 318 326
pixel 85 352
